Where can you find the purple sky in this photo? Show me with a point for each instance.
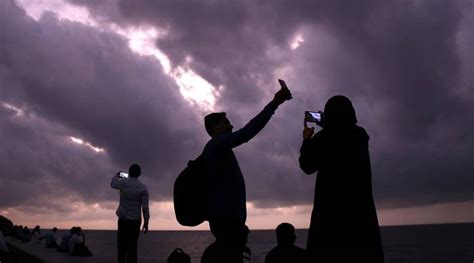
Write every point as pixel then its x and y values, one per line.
pixel 89 87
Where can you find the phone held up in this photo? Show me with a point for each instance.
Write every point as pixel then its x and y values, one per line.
pixel 315 117
pixel 123 174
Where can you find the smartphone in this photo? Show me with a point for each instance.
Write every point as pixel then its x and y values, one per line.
pixel 282 83
pixel 314 116
pixel 123 175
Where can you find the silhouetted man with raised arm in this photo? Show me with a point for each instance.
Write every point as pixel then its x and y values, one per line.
pixel 227 210
pixel 133 199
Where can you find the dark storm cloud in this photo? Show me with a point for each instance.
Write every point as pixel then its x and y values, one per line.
pixel 403 63
pixel 399 61
pixel 228 40
pixel 414 67
pixel 90 85
pixel 40 165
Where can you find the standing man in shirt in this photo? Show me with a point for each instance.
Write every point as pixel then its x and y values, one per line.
pixel 227 210
pixel 133 199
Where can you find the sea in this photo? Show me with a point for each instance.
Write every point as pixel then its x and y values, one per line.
pixel 446 243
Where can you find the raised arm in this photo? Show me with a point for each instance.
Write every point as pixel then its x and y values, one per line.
pixel 254 126
pixel 309 159
pixel 117 182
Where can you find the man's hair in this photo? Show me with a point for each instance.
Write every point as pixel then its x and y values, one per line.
pixel 213 119
pixel 134 170
pixel 285 234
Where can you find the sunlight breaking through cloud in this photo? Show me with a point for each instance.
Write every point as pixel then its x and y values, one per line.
pixel 192 87
pixel 64 11
pixel 297 41
pixel 196 89
pixel 89 145
pixel 17 110
pixel 142 41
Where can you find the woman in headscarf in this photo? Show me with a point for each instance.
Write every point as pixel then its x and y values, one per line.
pixel 344 223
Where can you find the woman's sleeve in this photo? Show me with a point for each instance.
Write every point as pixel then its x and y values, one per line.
pixel 309 157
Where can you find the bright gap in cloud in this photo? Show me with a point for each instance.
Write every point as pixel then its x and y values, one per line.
pixel 142 41
pixel 196 89
pixel 75 140
pixel 17 110
pixel 87 144
pixel 4 212
pixel 36 8
pixel 297 40
pixel 192 87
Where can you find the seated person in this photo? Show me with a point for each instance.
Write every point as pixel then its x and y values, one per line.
pixel 35 235
pixel 64 246
pixel 50 239
pixel 286 251
pixel 77 244
pixel 213 252
pixel 178 256
pixel 21 234
pixel 26 231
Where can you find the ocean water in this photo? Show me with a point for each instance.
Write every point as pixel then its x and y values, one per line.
pixel 446 243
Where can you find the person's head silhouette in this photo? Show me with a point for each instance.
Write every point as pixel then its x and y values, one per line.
pixel 339 113
pixel 178 256
pixel 285 233
pixel 134 170
pixel 74 230
pixel 217 123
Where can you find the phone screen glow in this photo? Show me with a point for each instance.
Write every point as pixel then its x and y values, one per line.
pixel 315 115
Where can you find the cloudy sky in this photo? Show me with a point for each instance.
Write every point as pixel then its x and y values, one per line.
pixel 89 87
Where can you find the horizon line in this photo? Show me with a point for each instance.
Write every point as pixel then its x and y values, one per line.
pixel 272 229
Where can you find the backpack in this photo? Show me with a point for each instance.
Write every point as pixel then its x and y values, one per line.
pixel 190 193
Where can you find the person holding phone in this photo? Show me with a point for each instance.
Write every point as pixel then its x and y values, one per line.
pixel 226 204
pixel 344 225
pixel 133 200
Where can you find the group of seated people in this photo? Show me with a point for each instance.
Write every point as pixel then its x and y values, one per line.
pixel 72 242
pixel 285 251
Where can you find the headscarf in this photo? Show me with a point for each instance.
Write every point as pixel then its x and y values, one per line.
pixel 339 113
